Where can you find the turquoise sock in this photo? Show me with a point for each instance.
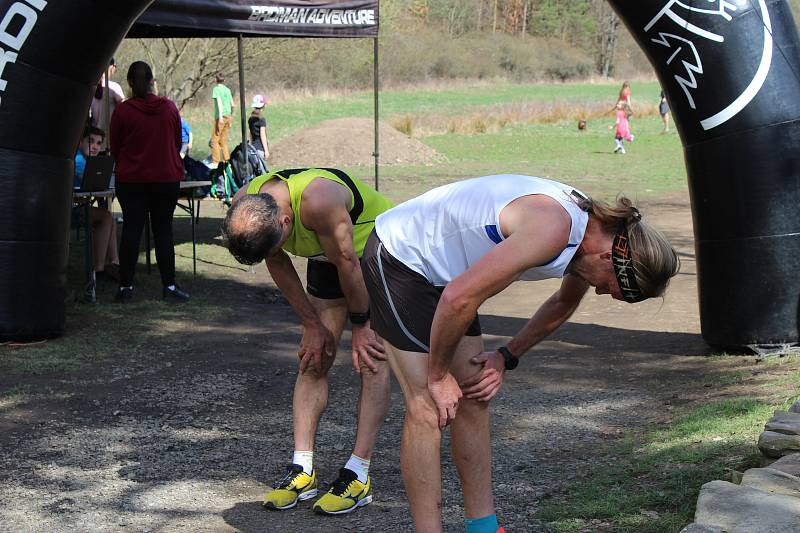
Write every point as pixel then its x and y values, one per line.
pixel 487 524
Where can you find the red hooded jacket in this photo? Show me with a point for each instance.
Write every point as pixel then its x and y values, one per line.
pixel 146 139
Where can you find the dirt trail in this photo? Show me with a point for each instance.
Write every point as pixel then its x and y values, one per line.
pixel 188 438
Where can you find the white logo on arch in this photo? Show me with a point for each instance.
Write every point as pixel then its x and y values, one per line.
pixel 692 63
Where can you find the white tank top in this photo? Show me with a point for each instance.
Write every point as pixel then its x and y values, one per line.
pixel 445 231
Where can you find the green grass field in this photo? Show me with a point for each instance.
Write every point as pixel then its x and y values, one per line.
pixel 287 118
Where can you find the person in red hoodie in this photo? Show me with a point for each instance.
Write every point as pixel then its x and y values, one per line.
pixel 145 142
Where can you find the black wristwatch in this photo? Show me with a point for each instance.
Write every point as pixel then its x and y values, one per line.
pixel 511 360
pixel 359 318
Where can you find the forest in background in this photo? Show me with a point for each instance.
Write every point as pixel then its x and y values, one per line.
pixel 421 41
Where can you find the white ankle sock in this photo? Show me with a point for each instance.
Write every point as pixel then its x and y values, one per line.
pixel 304 459
pixel 359 466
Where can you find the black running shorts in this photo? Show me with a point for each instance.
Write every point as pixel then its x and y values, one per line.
pixel 402 302
pixel 322 280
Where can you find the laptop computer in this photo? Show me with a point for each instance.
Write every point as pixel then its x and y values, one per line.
pixel 97 175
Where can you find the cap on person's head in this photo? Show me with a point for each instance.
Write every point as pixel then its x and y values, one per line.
pixel 112 63
pixel 220 77
pixel 259 101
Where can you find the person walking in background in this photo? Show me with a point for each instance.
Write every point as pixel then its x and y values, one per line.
pixel 223 117
pixel 98 107
pixel 258 127
pixel 663 110
pixel 625 94
pixel 623 132
pixel 145 143
pixel 104 228
pixel 186 138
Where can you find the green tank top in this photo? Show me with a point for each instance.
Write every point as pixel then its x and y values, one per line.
pixel 366 205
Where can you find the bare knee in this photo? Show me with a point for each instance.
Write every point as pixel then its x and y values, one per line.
pixel 421 412
pixel 377 378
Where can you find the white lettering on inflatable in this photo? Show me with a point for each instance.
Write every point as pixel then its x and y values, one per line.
pixel 18 39
pixel 691 62
pixel 312 16
pixel 38 4
pixel 691 67
pixel 6 58
pixel 14 37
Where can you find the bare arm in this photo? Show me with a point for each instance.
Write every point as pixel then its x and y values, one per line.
pixel 285 277
pixel 218 106
pixel 549 317
pixel 325 210
pixel 527 247
pixel 317 340
pixel 263 134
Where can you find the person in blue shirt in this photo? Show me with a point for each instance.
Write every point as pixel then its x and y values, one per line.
pixel 186 138
pixel 104 228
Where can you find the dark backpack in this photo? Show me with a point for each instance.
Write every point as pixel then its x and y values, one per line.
pixel 197 171
pixel 240 171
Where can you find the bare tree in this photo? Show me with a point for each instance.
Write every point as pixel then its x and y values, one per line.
pixel 184 67
pixel 608 26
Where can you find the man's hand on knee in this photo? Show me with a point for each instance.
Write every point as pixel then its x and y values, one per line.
pixel 317 349
pixel 367 349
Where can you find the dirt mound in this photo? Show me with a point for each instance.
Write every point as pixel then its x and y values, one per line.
pixel 349 142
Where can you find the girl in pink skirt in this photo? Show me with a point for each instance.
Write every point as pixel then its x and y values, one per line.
pixel 623 132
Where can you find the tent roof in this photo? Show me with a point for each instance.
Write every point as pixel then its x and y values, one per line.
pixel 275 18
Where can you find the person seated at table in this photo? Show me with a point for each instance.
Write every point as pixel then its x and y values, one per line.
pixel 186 138
pixel 104 228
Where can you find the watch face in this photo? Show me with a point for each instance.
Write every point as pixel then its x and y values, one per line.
pixel 511 363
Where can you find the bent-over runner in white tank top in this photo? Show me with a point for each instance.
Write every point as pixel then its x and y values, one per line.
pixel 445 231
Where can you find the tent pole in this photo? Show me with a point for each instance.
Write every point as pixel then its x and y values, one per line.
pixel 242 103
pixel 375 86
pixel 106 111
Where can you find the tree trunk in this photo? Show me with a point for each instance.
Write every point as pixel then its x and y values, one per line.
pixel 607 40
pixel 524 18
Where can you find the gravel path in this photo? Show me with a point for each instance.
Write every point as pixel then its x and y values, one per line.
pixel 190 437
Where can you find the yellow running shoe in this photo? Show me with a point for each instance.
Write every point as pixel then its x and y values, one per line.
pixel 345 495
pixel 295 486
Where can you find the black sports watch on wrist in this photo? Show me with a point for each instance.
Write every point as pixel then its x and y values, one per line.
pixel 359 318
pixel 510 359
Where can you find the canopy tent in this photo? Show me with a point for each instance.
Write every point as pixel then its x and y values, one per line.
pixel 283 18
pixel 731 71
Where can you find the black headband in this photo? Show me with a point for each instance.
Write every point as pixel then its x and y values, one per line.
pixel 622 259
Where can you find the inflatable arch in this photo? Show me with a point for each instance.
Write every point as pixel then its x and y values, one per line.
pixel 730 68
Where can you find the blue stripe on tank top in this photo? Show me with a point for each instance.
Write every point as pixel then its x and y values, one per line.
pixel 491 231
pixel 570 245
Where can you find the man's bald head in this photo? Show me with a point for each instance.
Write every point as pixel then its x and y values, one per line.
pixel 252 228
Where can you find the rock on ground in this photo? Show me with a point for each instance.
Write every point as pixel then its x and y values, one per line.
pixel 784 422
pixel 774 444
pixel 790 464
pixel 795 408
pixel 701 528
pixel 743 509
pixel 771 480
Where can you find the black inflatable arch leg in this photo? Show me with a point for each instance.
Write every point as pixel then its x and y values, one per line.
pixel 731 72
pixel 51 55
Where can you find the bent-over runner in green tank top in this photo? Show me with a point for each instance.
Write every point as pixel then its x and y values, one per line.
pixel 365 205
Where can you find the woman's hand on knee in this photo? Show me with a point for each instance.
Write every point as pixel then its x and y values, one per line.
pixel 486 383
